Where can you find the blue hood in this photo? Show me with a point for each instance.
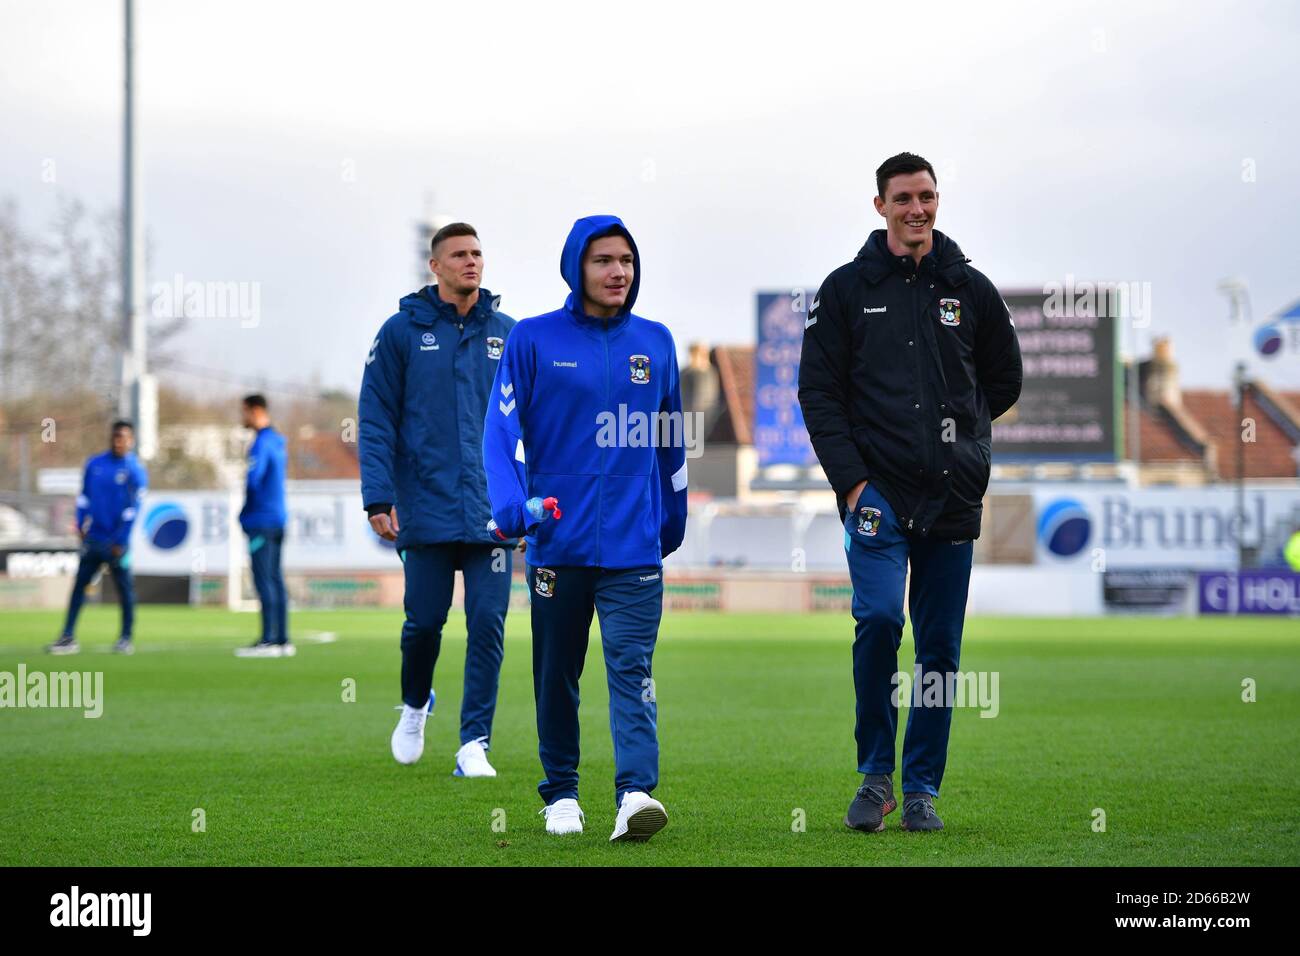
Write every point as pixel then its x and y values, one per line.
pixel 580 236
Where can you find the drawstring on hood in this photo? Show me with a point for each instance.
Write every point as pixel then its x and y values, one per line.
pixel 583 233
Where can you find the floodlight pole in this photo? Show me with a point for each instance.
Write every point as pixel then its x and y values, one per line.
pixel 136 398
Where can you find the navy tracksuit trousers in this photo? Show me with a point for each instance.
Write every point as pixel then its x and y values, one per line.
pixel 878 555
pixel 630 604
pixel 265 547
pixel 430 577
pixel 94 555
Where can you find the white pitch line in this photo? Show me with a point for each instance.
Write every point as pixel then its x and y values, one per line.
pixel 307 637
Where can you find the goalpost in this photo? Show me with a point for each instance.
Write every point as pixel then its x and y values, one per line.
pixel 236 557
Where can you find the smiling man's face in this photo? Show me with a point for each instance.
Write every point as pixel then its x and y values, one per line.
pixel 910 206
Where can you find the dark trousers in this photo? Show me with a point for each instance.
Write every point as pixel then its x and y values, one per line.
pixel 878 554
pixel 264 547
pixel 630 604
pixel 95 554
pixel 430 577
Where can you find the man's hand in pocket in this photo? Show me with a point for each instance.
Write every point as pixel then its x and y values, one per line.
pixel 851 499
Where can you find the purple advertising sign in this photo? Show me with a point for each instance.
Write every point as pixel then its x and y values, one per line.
pixel 1249 592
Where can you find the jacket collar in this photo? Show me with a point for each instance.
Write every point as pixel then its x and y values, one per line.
pixel 945 259
pixel 428 307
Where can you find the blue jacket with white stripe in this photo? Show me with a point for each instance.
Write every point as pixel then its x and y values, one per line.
pixel 423 396
pixel 110 498
pixel 588 410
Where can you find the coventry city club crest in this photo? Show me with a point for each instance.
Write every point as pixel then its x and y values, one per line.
pixel 640 368
pixel 950 311
pixel 868 520
pixel 494 347
pixel 544 582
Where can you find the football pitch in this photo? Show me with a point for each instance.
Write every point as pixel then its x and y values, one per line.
pixel 200 758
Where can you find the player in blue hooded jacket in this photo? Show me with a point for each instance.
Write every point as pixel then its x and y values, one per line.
pixel 585 453
pixel 111 491
pixel 423 395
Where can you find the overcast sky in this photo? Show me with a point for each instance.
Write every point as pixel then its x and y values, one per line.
pixel 292 145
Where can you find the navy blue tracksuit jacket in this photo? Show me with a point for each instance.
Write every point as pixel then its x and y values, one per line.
pixel 423 397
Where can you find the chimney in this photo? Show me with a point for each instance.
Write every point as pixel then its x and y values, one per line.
pixel 1160 387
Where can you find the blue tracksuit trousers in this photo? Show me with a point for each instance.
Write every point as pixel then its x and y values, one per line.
pixel 94 555
pixel 265 548
pixel 630 604
pixel 430 576
pixel 878 555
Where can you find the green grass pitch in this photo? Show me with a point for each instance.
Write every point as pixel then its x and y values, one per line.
pixel 1142 718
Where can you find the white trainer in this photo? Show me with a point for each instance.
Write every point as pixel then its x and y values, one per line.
pixel 563 816
pixel 472 761
pixel 408 736
pixel 265 649
pixel 260 649
pixel 640 816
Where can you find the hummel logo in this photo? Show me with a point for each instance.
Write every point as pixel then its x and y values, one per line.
pixel 507 389
pixel 812 313
pixel 506 408
pixel 881 309
pixel 558 364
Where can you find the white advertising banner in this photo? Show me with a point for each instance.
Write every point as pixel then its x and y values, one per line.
pixel 187 532
pixel 1079 525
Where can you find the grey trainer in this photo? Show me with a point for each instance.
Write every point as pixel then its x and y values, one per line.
pixel 918 813
pixel 872 803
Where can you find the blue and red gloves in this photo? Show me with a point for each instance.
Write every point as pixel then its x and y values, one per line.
pixel 538 508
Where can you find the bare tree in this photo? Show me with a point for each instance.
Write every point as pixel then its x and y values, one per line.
pixel 61 332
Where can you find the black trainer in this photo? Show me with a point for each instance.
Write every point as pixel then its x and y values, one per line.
pixel 873 802
pixel 66 644
pixel 918 812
